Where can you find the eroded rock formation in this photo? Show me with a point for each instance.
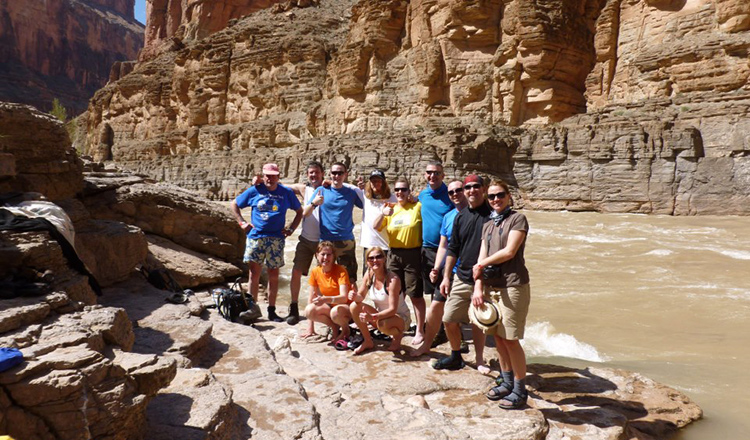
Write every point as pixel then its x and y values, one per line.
pixel 82 377
pixel 609 105
pixel 63 49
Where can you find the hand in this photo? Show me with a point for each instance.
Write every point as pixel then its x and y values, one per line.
pixel 287 232
pixel 360 182
pixel 366 317
pixel 477 271
pixel 318 300
pixel 246 226
pixel 257 179
pixel 477 299
pixel 411 199
pixel 326 183
pixel 388 209
pixel 352 295
pixel 318 200
pixel 445 287
pixel 433 275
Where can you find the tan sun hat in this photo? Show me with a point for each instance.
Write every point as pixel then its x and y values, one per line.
pixel 485 317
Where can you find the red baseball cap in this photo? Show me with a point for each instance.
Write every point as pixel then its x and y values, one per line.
pixel 473 178
pixel 271 169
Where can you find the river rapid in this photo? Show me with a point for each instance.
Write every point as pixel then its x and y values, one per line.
pixel 668 297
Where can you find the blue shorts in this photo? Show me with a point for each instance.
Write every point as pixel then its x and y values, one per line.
pixel 265 250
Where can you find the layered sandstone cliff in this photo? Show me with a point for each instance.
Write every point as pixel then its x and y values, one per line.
pixel 609 105
pixel 63 48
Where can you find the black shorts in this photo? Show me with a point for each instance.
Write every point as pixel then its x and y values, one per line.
pixel 428 262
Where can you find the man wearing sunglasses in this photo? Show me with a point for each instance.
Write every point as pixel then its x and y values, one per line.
pixel 266 231
pixel 464 246
pixel 436 203
pixel 336 204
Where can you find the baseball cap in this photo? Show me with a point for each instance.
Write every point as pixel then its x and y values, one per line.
pixel 271 169
pixel 473 178
pixel 377 173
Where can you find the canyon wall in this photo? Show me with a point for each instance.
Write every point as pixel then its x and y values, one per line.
pixel 607 105
pixel 63 49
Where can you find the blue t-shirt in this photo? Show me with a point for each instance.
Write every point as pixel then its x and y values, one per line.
pixel 269 209
pixel 435 204
pixel 446 230
pixel 336 222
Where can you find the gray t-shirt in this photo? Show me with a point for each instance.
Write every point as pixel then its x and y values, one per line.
pixel 514 272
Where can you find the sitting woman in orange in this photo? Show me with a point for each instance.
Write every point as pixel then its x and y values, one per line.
pixel 329 285
pixel 390 314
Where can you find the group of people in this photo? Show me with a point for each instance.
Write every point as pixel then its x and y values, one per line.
pixel 460 243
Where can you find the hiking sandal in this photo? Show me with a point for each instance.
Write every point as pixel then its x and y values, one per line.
pixel 498 392
pixel 514 401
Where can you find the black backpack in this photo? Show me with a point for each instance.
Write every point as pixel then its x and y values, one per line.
pixel 161 278
pixel 231 302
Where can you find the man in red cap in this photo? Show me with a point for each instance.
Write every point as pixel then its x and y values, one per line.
pixel 464 246
pixel 266 231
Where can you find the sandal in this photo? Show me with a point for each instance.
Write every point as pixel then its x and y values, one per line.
pixel 514 401
pixel 341 345
pixel 498 392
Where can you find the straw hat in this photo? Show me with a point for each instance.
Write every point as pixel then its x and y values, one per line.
pixel 485 317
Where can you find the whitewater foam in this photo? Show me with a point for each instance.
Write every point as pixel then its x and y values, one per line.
pixel 542 340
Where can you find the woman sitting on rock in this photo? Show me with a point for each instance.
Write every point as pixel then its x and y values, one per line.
pixel 501 277
pixel 329 286
pixel 390 314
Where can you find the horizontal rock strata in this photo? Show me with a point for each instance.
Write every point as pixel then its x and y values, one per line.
pixel 618 106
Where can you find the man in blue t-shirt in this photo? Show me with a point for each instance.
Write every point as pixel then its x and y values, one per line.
pixel 435 205
pixel 266 230
pixel 435 312
pixel 336 204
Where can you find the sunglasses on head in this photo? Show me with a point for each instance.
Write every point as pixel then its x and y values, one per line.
pixel 455 191
pixel 337 173
pixel 501 195
pixel 401 189
pixel 472 186
pixel 375 257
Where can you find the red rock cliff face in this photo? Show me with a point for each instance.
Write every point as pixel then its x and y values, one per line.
pixel 610 105
pixel 63 48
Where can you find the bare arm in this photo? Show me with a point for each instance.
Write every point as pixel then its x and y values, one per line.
pixel 515 240
pixel 386 211
pixel 439 257
pixel 295 222
pixel 477 298
pixel 246 226
pixel 450 261
pixel 299 189
pixel 317 201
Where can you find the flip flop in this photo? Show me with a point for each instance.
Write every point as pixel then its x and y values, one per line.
pixel 341 345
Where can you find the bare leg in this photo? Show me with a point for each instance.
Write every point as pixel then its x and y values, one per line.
pixel 517 358
pixel 254 279
pixel 367 343
pixel 341 316
pixel 273 286
pixel 419 311
pixel 434 319
pixel 322 314
pixel 502 351
pixel 295 284
pixel 479 337
pixel 453 331
pixel 393 327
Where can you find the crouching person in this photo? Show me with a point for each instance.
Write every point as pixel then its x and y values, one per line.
pixel 390 314
pixel 327 304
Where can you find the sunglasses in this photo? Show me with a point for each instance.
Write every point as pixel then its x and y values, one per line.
pixel 500 195
pixel 431 172
pixel 455 191
pixel 472 186
pixel 401 189
pixel 375 257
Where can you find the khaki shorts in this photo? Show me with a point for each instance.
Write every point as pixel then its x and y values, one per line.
pixel 304 255
pixel 459 300
pixel 513 304
pixel 346 256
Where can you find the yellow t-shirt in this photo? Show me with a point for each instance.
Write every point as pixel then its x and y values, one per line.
pixel 405 226
pixel 329 283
